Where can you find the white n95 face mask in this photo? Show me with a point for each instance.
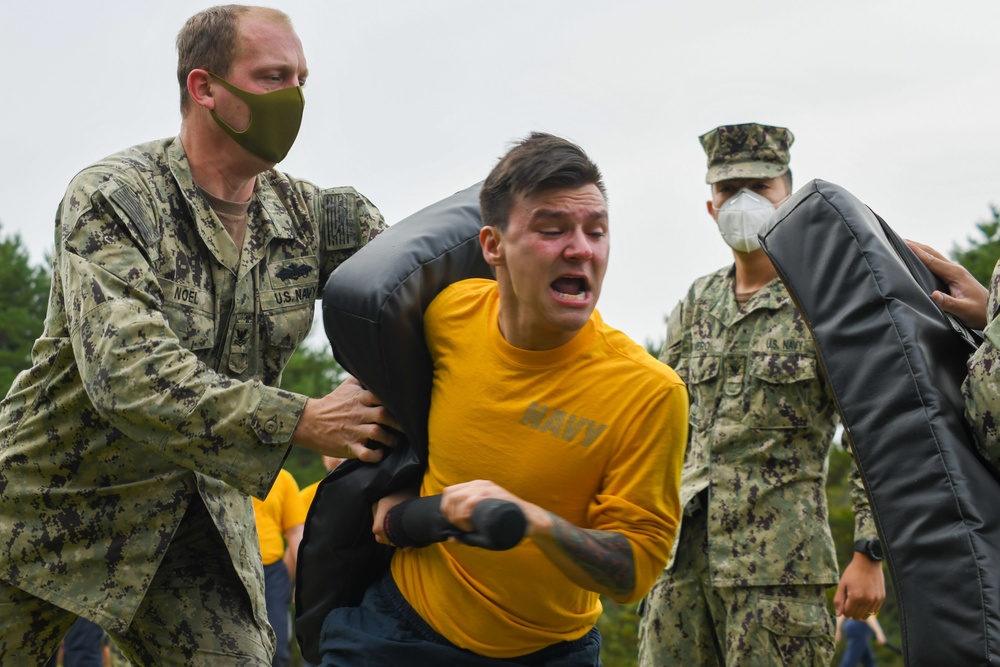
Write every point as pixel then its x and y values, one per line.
pixel 741 217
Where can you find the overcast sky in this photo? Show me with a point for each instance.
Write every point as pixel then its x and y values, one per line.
pixel 410 101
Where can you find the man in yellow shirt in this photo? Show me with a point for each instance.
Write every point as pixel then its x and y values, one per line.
pixel 536 401
pixel 279 526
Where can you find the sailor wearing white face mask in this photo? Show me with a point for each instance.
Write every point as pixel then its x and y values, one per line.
pixel 745 585
pixel 743 215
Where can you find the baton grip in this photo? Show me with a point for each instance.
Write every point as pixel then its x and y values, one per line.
pixel 497 525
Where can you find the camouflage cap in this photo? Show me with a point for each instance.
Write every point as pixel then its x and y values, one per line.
pixel 750 150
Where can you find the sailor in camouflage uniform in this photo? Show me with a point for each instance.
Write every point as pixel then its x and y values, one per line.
pixel 980 309
pixel 982 386
pixel 129 448
pixel 754 554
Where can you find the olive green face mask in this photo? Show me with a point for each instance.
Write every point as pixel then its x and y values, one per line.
pixel 275 118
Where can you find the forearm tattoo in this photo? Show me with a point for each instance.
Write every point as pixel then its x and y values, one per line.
pixel 605 556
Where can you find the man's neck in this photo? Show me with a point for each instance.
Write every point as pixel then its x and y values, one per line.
pixel 753 271
pixel 215 166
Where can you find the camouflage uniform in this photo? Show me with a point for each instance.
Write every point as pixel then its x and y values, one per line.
pixel 754 550
pixel 154 382
pixel 755 543
pixel 982 386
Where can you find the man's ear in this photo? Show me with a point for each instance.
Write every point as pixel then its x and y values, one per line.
pixel 711 210
pixel 491 241
pixel 199 87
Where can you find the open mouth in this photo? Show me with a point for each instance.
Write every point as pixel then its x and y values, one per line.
pixel 570 288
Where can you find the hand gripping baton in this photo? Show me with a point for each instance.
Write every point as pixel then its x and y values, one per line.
pixel 498 525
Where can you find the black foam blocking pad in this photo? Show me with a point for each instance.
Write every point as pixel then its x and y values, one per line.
pixel 895 363
pixel 373 304
pixel 373 307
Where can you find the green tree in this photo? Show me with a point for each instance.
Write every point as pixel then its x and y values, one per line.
pixel 981 256
pixel 619 627
pixel 25 290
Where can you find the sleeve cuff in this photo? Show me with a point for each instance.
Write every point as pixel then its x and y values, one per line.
pixel 277 416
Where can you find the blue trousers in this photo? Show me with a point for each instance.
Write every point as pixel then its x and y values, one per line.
pixel 858 650
pixel 278 597
pixel 82 645
pixel 386 630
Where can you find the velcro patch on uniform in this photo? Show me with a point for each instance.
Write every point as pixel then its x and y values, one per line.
pixel 338 222
pixel 282 298
pixel 191 296
pixel 291 271
pixel 129 202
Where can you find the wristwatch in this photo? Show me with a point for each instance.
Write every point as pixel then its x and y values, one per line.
pixel 870 547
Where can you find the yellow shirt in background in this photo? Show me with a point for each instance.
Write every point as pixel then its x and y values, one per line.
pixel 282 509
pixel 307 494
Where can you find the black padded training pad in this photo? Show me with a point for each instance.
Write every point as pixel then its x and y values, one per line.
pixel 895 363
pixel 373 307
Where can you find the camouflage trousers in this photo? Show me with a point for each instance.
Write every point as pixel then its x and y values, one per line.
pixel 196 611
pixel 685 620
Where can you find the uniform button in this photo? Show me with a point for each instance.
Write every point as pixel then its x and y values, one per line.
pixel 271 426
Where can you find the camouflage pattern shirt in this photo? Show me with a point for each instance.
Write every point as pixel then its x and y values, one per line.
pixel 155 376
pixel 762 421
pixel 982 386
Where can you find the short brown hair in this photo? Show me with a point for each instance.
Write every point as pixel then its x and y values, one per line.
pixel 540 162
pixel 210 41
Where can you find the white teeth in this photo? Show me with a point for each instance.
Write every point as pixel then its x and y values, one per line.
pixel 573 297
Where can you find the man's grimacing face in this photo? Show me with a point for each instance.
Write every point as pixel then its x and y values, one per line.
pixel 551 261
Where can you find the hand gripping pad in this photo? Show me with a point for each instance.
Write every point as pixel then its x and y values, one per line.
pixel 373 307
pixel 895 363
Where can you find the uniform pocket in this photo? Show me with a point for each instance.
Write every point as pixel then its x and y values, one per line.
pixel 793 618
pixel 799 632
pixel 781 390
pixel 283 330
pixel 703 373
pixel 286 328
